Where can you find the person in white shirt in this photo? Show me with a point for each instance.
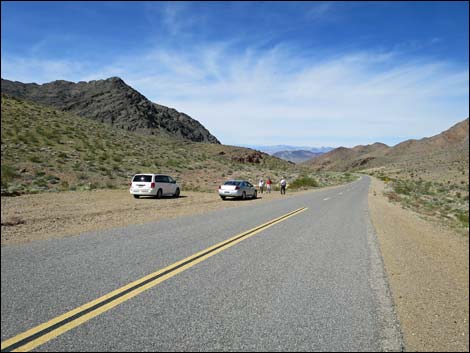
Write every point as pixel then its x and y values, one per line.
pixel 261 185
pixel 283 186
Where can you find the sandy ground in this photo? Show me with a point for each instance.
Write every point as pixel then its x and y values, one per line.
pixel 428 270
pixel 41 216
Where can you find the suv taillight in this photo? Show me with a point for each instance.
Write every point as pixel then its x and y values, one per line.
pixel 152 185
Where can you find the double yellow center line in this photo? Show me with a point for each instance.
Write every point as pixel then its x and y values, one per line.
pixel 61 324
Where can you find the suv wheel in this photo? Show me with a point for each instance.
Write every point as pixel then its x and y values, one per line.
pixel 136 196
pixel 255 195
pixel 222 197
pixel 159 193
pixel 177 193
pixel 244 195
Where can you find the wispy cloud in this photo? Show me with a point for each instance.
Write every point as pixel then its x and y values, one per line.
pixel 356 97
pixel 257 92
pixel 318 10
pixel 27 69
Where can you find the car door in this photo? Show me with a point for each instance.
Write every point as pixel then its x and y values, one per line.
pixel 250 189
pixel 160 183
pixel 246 188
pixel 171 185
pixel 166 185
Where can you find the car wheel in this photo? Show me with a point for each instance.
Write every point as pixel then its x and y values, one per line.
pixel 159 193
pixel 244 195
pixel 177 193
pixel 223 197
pixel 136 196
pixel 255 195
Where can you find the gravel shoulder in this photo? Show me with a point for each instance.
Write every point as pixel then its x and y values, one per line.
pixel 428 270
pixel 51 215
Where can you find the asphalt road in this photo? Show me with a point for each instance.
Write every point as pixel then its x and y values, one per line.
pixel 311 282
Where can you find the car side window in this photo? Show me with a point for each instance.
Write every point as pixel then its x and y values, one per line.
pixel 161 179
pixel 170 179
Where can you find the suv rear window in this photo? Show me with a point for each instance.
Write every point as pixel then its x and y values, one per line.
pixel 143 178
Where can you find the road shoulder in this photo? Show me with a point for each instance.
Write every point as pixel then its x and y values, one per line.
pixel 428 271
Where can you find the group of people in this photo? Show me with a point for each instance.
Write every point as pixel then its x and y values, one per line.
pixel 268 183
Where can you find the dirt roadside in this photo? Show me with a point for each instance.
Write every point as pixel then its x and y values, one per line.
pixel 428 270
pixel 41 216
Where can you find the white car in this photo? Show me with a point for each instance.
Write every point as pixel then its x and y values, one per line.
pixel 155 185
pixel 238 189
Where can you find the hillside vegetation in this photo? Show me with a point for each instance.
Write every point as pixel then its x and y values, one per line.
pixel 445 201
pixel 45 149
pixel 113 102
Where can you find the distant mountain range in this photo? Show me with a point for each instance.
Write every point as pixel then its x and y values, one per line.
pixel 297 156
pixel 271 149
pixel 112 101
pixel 442 153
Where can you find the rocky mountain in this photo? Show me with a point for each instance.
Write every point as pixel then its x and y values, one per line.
pixel 297 156
pixel 345 159
pixel 112 101
pixel 440 154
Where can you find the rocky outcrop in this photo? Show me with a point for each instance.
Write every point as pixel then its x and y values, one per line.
pixel 253 158
pixel 112 101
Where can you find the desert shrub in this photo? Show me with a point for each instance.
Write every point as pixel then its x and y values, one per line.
pixel 35 159
pixel 41 182
pixel 393 196
pixel 8 173
pixel 304 182
pixel 402 187
pixel 384 178
pixel 463 218
pixel 117 158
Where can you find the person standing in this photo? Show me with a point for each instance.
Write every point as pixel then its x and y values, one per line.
pixel 261 185
pixel 283 186
pixel 268 186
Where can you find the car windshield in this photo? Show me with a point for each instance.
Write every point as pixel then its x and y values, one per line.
pixel 232 182
pixel 143 178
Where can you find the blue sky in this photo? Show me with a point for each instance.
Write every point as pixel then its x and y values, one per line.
pixel 299 73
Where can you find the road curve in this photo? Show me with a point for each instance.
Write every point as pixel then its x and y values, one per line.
pixel 310 281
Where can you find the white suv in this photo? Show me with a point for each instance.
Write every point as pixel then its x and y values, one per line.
pixel 155 185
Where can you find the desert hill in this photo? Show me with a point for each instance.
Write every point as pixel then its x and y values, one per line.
pixel 113 102
pixel 443 155
pixel 48 149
